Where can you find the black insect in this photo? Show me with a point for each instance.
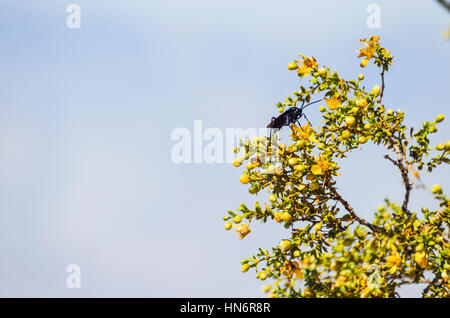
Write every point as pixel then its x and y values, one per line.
pixel 290 116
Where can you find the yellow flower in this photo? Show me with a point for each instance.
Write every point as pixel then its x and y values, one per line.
pixel 304 132
pixel 278 217
pixel 333 103
pixel 368 50
pixel 445 276
pixel 340 281
pixel 308 64
pixel 242 230
pixel 316 169
pixel 421 259
pixel 238 161
pixel 286 217
pixel 334 266
pixel 308 262
pixel 292 268
pixel 321 166
pixel 393 260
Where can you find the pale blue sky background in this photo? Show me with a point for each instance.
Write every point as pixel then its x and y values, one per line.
pixel 86 117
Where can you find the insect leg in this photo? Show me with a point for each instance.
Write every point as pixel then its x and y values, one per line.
pixel 269 146
pixel 307 120
pixel 271 125
pixel 270 137
pixel 299 123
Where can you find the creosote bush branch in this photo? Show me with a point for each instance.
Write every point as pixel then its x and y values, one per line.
pixel 331 251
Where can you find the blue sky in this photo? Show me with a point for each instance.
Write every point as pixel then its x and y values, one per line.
pixel 86 116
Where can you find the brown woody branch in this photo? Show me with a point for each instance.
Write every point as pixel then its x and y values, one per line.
pixel 408 186
pixel 401 163
pixel 445 4
pixel 422 281
pixel 382 86
pixel 350 210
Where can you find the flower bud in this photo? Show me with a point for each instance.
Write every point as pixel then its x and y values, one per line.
pixel 364 62
pixel 284 245
pixel 447 145
pixel 376 90
pixel 238 161
pixel 440 118
pixel 323 71
pixel 346 134
pixel 350 121
pixel 245 179
pixel 245 268
pixel 292 66
pixel 436 189
pixel 237 219
pixel 273 198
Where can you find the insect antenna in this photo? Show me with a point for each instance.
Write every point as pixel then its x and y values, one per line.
pixel 303 107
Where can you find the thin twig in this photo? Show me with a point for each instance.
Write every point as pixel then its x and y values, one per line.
pixel 445 4
pixel 382 86
pixel 401 158
pixel 361 221
pixel 435 282
pixel 408 185
pixel 422 281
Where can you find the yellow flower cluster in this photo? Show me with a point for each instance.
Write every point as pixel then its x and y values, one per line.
pixel 333 103
pixel 322 166
pixel 242 230
pixel 368 50
pixel 306 66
